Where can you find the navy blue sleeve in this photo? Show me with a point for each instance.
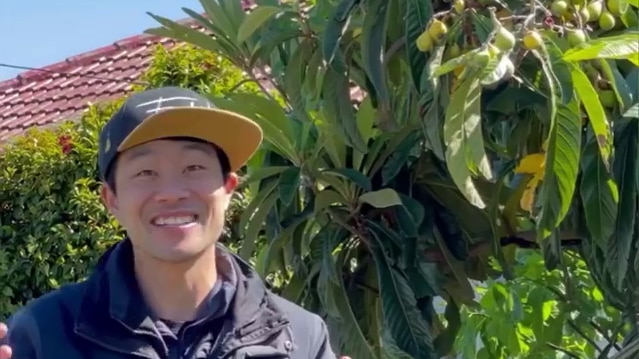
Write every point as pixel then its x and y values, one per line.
pixel 24 335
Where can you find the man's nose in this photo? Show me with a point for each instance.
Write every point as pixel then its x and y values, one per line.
pixel 171 191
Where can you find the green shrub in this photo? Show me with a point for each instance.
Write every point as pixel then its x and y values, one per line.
pixel 53 226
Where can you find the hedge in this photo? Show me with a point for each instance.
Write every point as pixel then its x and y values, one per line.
pixel 53 226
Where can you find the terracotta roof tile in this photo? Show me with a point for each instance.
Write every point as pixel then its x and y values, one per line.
pixel 63 91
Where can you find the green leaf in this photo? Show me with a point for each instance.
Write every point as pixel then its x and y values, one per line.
pixel 466 293
pixel 599 194
pixel 219 16
pixel 624 91
pixel 596 114
pixel 184 33
pixel 562 165
pixel 464 140
pixel 400 314
pixel 260 173
pixel 266 108
pixel 273 134
pixel 255 20
pixel 235 12
pixel 452 64
pixel 220 35
pixel 625 171
pixel 418 14
pixel 326 198
pixel 256 203
pixel 251 235
pixel 383 198
pixel 624 46
pixel 337 25
pixel 374 37
pixel 400 157
pixel 354 175
pixel 289 182
pixel 294 79
pixel 365 124
pixel 339 110
pixel 350 330
pixel 264 48
pixel 630 17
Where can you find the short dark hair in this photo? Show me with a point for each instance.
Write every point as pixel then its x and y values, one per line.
pixel 221 155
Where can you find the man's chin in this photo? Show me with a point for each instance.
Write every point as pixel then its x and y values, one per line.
pixel 178 248
pixel 178 255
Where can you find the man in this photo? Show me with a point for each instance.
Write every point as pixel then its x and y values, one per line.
pixel 167 159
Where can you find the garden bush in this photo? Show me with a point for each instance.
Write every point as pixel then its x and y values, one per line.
pixel 53 226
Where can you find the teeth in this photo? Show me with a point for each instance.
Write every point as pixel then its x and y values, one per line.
pixel 174 221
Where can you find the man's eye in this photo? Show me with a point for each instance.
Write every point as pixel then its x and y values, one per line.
pixel 144 173
pixel 194 167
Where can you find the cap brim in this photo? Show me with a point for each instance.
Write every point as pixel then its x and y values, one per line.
pixel 238 136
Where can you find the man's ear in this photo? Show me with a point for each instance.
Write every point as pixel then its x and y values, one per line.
pixel 109 198
pixel 229 188
pixel 231 183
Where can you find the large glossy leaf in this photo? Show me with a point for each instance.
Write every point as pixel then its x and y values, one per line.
pixel 374 30
pixel 255 225
pixel 418 14
pixel 596 115
pixel 289 183
pixel 219 16
pixel 337 25
pixel 184 33
pixel 401 316
pixel 268 121
pixel 464 140
pixel 383 198
pixel 350 332
pixel 599 194
pixel 624 46
pixel 562 165
pixel 339 110
pixel 563 149
pixel 294 78
pixel 365 123
pixel 255 20
pixel 625 172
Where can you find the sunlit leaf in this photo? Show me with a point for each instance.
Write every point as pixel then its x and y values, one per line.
pixel 255 20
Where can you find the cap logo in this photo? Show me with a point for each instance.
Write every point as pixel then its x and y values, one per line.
pixel 161 104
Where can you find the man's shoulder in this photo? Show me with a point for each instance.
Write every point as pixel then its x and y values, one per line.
pixel 52 307
pixel 302 320
pixel 293 311
pixel 308 329
pixel 43 319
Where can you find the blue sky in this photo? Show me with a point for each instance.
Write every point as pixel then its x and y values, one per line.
pixel 37 33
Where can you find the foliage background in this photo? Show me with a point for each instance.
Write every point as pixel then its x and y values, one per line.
pixel 53 226
pixel 482 126
pixel 350 209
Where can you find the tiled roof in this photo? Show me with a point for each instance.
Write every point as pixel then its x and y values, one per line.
pixel 62 91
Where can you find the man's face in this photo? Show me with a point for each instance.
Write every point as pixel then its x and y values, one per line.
pixel 171 198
